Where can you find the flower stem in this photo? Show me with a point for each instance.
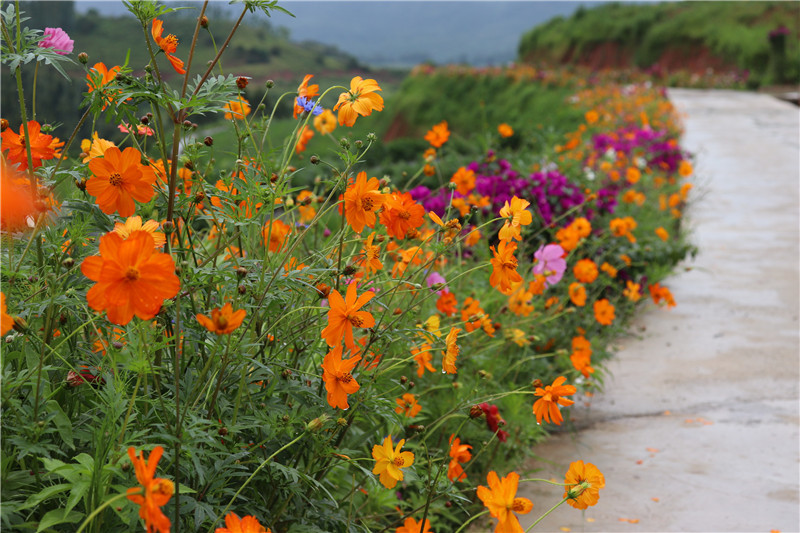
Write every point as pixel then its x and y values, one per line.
pixel 106 504
pixel 472 518
pixel 553 508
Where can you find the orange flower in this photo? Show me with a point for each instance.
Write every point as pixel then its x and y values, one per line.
pixel 591 116
pixel 447 304
pixel 568 238
pixel 505 130
pixel 344 315
pixel 500 498
pixel 659 293
pixel 472 314
pixel 685 169
pixel 459 453
pixel 662 233
pixel 370 257
pixel 17 209
pixel 438 134
pixel 307 91
pixel 582 226
pixel 516 214
pixel 581 357
pixel 168 45
pixel 389 461
pixel 550 398
pixel 584 482
pixel 237 109
pixel 361 99
pixel 604 312
pixel 339 382
pixel 223 321
pixel 401 214
pixel 504 264
pixel 412 526
pixel 519 301
pixel 132 277
pixel 632 291
pixel 464 180
pixel 132 224
pixel 94 148
pixel 41 145
pixel 325 122
pixel 608 269
pixel 248 524
pixel 99 76
pixel 118 179
pixel 6 322
pixel 154 492
pixel 275 234
pixel 585 271
pixel 407 405
pixel 362 200
pixel 449 360
pixel 423 357
pixel 632 174
pixel 622 227
pixel 577 293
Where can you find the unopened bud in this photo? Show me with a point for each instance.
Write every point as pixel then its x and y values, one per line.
pixel 242 81
pixel 83 58
pixel 222 431
pixel 341 421
pixel 537 383
pixel 286 373
pixel 371 137
pixel 359 143
pixel 317 424
pixel 475 411
pixel 242 290
pixel 199 197
pixel 403 380
pixel 117 345
pixel 168 226
pixel 204 21
pixel 81 185
pixel 208 141
pixel 344 142
pixel 314 160
pixel 187 123
pixel 68 262
pixel 241 271
pixel 349 270
pixel 270 84
pixel 144 120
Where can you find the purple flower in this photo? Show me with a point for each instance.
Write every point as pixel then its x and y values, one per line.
pixel 58 40
pixel 550 262
pixel 435 278
pixel 309 106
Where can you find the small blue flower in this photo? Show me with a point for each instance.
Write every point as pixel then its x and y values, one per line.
pixel 309 105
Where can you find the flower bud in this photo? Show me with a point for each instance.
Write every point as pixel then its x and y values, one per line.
pixel 341 422
pixel 168 226
pixel 187 124
pixel 537 383
pixel 371 137
pixel 242 81
pixel 241 272
pixel 117 345
pixel 204 21
pixel 83 58
pixel 286 373
pixel 81 185
pixel 199 197
pixel 3 124
pixel 208 141
pixel 403 380
pixel 270 84
pixel 242 290
pixel 359 144
pixel 345 143
pixel 314 160
pixel 317 424
pixel 475 411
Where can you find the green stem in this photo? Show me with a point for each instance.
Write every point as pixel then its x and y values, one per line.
pixel 33 98
pixel 553 508
pixel 472 518
pixel 106 504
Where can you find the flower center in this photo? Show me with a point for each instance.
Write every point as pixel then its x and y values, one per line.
pixel 345 378
pixel 115 179
pixel 366 203
pixel 355 320
pixel 132 274
pixel 222 322
pixel 519 505
pixel 399 461
pixel 164 487
pixel 405 215
pixel 170 43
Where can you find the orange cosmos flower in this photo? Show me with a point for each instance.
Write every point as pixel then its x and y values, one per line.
pixel 504 264
pixel 99 76
pixel 407 405
pixel 325 122
pixel 662 233
pixel 423 356
pixel 659 293
pixel 223 321
pixel 154 492
pixel 362 200
pixel 401 214
pixel 6 322
pixel 500 498
pixel 438 134
pixel 450 356
pixel 472 314
pixel 568 238
pixel 550 398
pixel 505 130
pixel 306 134
pixel 604 312
pixel 94 148
pixel 585 271
pixel 237 109
pixel 132 224
pixel 307 91
pixel 118 179
pixel 168 45
pixel 581 357
pixel 608 269
pixel 275 234
pixel 685 169
pixel 447 304
pixel 577 293
pixel 336 373
pixel 132 277
pixel 633 174
pixel 632 291
pixel 464 180
pixel 369 258
pixel 622 227
pixel 361 99
pixel 345 314
pixel 17 209
pixel 516 214
pixel 389 461
pixel 584 482
pixel 591 116
pixel 248 524
pixel 41 145
pixel 412 526
pixel 459 453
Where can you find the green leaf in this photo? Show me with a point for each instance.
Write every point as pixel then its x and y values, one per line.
pixel 45 494
pixel 58 516
pixel 62 422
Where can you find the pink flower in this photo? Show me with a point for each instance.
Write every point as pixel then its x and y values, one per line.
pixel 550 262
pixel 493 420
pixel 435 278
pixel 58 40
pixel 141 129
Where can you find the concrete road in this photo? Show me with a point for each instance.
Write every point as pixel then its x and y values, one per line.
pixel 698 427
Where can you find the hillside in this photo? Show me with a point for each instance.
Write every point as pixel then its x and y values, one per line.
pixel 670 36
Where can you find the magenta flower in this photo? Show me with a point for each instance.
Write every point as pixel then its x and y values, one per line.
pixel 550 262
pixel 435 278
pixel 58 40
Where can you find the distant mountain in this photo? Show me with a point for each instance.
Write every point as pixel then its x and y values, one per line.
pixel 403 33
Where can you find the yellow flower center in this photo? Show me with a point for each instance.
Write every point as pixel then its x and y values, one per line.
pixel 355 320
pixel 366 203
pixel 399 461
pixel 163 486
pixel 519 505
pixel 132 274
pixel 170 43
pixel 222 322
pixel 405 215
pixel 345 378
pixel 115 179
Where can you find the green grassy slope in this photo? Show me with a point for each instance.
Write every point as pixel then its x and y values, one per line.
pixel 697 34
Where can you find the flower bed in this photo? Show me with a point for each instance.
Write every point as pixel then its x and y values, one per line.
pixel 346 356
